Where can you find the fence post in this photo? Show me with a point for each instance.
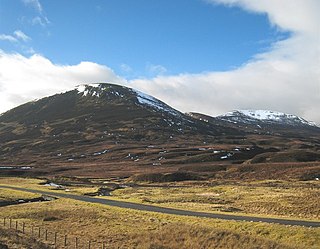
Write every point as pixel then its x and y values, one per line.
pixel 55 239
pixel 65 240
pixel 46 234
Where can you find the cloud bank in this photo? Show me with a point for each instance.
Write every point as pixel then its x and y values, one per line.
pixel 286 78
pixel 24 79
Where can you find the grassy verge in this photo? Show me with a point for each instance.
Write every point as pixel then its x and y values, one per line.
pixel 12 195
pixel 39 184
pixel 22 182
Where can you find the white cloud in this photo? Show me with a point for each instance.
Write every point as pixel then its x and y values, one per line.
pixel 29 50
pixel 22 36
pixel 286 78
pixel 293 15
pixel 35 4
pixel 125 68
pixel 10 38
pixel 155 69
pixel 42 21
pixel 23 79
pixel 17 35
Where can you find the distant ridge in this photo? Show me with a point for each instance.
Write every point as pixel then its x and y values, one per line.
pixel 247 116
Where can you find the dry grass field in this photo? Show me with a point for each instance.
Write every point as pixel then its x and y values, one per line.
pixel 124 228
pixel 273 198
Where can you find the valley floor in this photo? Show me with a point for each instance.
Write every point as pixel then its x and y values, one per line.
pixel 125 228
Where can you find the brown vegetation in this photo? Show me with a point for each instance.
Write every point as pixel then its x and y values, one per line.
pixel 125 228
pixel 10 239
pixel 180 236
pixel 168 177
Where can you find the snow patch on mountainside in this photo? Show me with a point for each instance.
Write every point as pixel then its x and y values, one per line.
pixel 85 89
pixel 247 116
pixel 148 100
pixel 82 89
pixel 99 89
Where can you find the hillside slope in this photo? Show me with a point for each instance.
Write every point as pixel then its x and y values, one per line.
pixel 105 129
pixel 94 118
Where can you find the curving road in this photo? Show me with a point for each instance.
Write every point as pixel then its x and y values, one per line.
pixel 150 208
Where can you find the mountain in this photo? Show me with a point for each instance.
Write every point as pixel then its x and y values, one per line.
pixel 265 116
pixel 91 119
pixel 263 122
pixel 100 109
pixel 284 137
pixel 102 130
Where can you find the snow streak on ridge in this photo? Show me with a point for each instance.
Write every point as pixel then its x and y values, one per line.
pixel 267 115
pixel 146 99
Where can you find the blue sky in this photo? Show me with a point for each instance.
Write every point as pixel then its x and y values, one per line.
pixel 208 56
pixel 138 38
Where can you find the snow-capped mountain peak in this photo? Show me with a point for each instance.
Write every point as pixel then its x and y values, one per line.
pixel 248 116
pixel 100 89
pixel 112 91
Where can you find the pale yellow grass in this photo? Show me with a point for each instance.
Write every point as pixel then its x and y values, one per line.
pixel 125 228
pixel 275 199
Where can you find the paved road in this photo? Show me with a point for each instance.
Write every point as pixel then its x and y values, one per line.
pixel 164 210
